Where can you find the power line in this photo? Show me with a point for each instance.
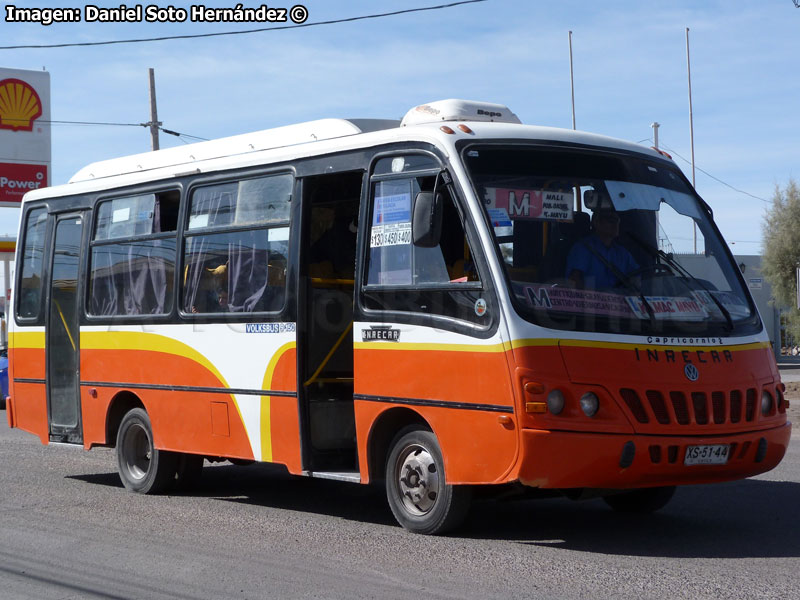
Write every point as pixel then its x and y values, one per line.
pixel 245 31
pixel 107 124
pixel 735 189
pixel 180 135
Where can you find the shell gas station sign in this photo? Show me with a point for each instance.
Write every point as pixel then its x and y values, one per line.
pixel 24 133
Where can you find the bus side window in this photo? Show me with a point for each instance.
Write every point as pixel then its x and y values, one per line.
pixel 393 259
pixel 236 246
pixel 438 281
pixel 132 260
pixel 29 294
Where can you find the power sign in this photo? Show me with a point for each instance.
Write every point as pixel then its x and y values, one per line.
pixel 24 133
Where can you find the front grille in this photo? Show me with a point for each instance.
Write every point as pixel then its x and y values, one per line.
pixel 719 407
pixel 736 406
pixel 700 408
pixel 680 407
pixel 634 405
pixel 659 406
pixel 751 404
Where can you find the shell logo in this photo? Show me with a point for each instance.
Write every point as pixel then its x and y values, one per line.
pixel 20 105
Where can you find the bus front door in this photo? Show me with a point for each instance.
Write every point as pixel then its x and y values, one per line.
pixel 62 333
pixel 326 320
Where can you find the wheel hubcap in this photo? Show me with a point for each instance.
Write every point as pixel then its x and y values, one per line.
pixel 418 480
pixel 137 452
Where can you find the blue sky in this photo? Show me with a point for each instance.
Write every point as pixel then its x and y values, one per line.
pixel 629 62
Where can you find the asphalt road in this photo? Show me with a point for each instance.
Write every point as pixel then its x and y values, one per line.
pixel 69 530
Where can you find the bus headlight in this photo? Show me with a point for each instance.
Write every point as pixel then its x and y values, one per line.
pixel 555 402
pixel 766 403
pixel 590 404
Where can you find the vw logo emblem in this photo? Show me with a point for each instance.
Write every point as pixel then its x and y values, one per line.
pixel 691 372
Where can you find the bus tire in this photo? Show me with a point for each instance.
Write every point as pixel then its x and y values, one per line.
pixel 142 467
pixel 420 498
pixel 641 501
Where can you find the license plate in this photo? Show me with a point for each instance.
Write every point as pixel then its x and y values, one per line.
pixel 716 454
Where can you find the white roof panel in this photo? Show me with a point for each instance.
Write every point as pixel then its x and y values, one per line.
pixel 314 138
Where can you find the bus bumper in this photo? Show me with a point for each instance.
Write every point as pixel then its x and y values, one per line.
pixel 557 459
pixel 10 412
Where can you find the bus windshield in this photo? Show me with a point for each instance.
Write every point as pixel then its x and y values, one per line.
pixel 607 241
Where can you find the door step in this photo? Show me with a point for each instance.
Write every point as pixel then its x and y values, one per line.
pixel 73 445
pixel 351 476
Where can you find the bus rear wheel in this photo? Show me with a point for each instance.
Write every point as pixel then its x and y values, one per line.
pixel 142 467
pixel 641 501
pixel 420 498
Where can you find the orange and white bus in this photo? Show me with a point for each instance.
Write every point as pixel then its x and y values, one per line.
pixel 452 301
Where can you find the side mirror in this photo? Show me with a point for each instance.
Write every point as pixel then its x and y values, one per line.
pixel 426 221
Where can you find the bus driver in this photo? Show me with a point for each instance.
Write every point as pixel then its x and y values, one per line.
pixel 598 260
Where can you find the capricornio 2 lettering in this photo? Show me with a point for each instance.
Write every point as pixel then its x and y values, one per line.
pixel 154 13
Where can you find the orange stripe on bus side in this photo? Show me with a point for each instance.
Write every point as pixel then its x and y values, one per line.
pixel 139 340
pixel 153 342
pixel 266 422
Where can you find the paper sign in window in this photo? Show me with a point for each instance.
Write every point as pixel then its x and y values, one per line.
pixel 121 215
pixel 391 221
pixel 532 204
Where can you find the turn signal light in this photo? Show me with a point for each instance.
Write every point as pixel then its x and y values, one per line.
pixel 447 129
pixel 533 387
pixel 536 407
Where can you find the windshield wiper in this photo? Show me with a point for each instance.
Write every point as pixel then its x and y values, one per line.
pixel 657 252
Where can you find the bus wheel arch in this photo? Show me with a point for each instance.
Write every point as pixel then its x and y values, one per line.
pixel 383 431
pixel 119 406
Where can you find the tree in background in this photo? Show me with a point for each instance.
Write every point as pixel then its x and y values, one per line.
pixel 781 234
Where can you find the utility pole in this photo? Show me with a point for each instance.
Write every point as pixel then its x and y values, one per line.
pixel 655 127
pixel 154 123
pixel 571 80
pixel 576 191
pixel 691 129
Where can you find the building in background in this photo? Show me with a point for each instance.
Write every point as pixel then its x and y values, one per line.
pixel 750 267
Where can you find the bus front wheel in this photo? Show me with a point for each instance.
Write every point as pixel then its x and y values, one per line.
pixel 420 498
pixel 142 467
pixel 641 501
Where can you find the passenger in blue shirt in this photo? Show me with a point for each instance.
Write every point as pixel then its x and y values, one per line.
pixel 589 259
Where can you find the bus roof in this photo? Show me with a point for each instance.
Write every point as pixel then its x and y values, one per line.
pixel 422 123
pixel 268 139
